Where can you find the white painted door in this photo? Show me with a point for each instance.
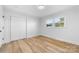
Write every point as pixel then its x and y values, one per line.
pixel 18 27
pixel 1 29
pixel 7 29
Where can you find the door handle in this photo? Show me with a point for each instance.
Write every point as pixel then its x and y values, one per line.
pixel 0 31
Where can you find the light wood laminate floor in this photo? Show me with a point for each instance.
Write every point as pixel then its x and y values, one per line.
pixel 39 44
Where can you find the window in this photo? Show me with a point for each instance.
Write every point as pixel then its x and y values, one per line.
pixel 59 22
pixel 49 23
pixel 55 22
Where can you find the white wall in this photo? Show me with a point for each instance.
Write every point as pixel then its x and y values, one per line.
pixel 1 11
pixel 32 26
pixel 70 33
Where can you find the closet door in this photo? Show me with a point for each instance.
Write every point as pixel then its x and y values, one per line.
pixel 1 30
pixel 18 28
pixel 7 29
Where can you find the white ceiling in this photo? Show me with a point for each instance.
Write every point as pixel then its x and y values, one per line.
pixel 34 11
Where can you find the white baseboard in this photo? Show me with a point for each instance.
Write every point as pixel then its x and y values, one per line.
pixel 69 41
pixel 32 36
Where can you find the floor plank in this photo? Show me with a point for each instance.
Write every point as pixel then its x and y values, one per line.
pixel 39 44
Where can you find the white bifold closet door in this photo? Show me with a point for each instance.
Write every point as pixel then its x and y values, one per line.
pixel 1 30
pixel 18 27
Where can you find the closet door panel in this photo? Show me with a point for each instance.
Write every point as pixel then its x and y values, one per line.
pixel 18 28
pixel 7 29
pixel 1 30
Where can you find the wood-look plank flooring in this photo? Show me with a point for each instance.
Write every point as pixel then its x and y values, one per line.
pixel 39 44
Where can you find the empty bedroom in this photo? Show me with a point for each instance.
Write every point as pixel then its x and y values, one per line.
pixel 39 28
